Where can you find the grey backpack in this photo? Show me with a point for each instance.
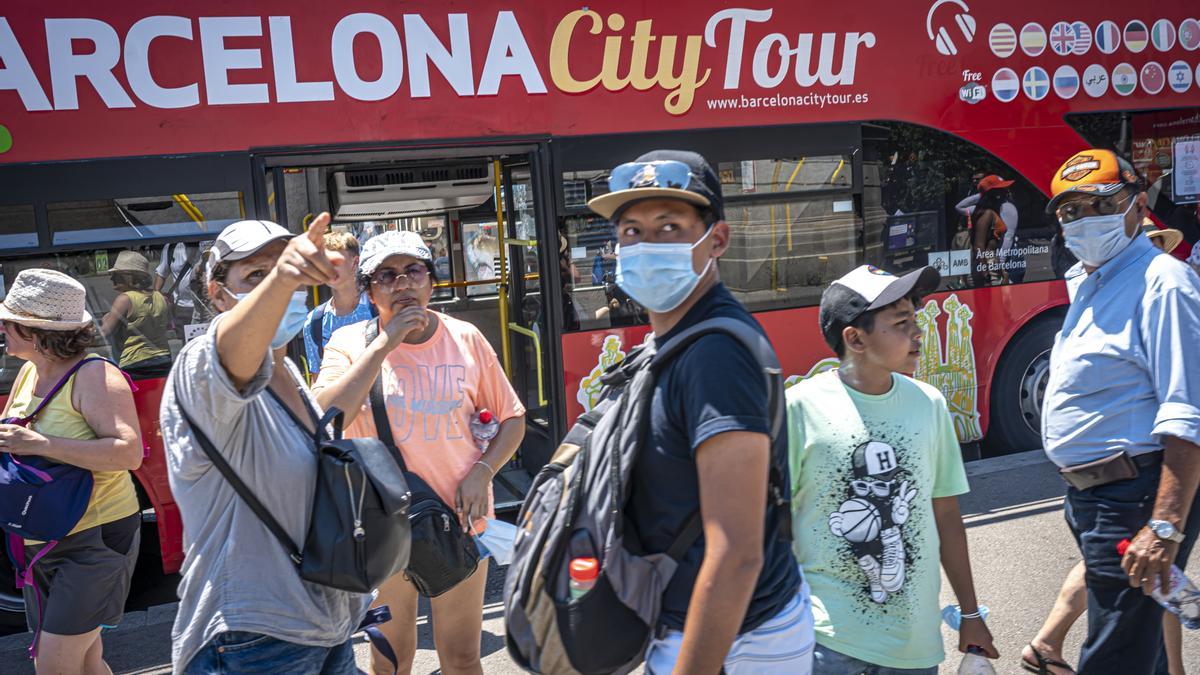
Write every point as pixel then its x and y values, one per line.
pixel 575 508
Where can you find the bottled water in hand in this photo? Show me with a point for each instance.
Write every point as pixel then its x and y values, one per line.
pixel 484 427
pixel 1181 599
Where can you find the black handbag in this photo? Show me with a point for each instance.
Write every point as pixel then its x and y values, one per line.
pixel 442 556
pixel 358 533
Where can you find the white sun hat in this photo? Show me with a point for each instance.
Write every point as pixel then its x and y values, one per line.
pixel 48 299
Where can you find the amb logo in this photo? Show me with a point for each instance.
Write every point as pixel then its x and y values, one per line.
pixel 590 386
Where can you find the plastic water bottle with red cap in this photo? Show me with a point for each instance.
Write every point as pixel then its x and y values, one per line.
pixel 484 427
pixel 584 573
pixel 1182 598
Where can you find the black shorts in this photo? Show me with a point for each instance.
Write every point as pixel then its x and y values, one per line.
pixel 82 583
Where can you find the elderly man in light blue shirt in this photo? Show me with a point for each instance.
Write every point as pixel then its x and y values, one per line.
pixel 1120 416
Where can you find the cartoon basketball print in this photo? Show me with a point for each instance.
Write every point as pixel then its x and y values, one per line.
pixel 860 520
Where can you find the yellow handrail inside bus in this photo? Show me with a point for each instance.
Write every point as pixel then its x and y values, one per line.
pixel 189 208
pixel 502 287
pixel 841 163
pixel 537 355
pixel 787 209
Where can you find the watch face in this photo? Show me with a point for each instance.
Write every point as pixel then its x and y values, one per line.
pixel 1163 529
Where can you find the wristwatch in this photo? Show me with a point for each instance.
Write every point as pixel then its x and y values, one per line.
pixel 1164 530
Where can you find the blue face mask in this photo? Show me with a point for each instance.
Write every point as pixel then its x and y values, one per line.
pixel 293 317
pixel 659 277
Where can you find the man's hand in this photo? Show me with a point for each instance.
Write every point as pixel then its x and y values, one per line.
pixel 1148 561
pixel 974 632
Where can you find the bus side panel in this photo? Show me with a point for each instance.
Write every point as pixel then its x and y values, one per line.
pixel 965 334
pixel 153 474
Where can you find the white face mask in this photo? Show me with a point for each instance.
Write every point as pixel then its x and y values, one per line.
pixel 659 277
pixel 1097 239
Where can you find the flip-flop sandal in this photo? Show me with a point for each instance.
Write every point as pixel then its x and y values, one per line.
pixel 1043 663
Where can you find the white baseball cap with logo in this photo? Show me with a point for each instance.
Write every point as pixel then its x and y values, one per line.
pixel 242 240
pixel 867 288
pixel 385 245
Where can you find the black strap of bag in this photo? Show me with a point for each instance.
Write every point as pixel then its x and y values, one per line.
pixel 764 355
pixel 315 330
pixel 383 427
pixel 332 415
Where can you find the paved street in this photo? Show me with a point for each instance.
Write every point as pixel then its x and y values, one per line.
pixel 1020 546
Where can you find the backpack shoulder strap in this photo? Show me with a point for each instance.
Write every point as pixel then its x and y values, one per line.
pixel 383 426
pixel 754 342
pixel 183 271
pixel 760 348
pixel 315 330
pixel 242 490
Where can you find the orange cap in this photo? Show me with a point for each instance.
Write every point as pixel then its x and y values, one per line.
pixel 1098 172
pixel 585 569
pixel 992 182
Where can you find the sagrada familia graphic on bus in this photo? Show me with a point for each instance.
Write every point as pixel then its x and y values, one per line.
pixel 948 364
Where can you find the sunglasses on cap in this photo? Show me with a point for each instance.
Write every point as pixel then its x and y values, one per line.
pixel 1090 205
pixel 665 173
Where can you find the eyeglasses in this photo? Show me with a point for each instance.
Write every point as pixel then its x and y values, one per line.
pixel 881 488
pixel 666 173
pixel 413 275
pixel 1089 205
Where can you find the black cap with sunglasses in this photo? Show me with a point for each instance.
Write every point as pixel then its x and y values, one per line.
pixel 662 174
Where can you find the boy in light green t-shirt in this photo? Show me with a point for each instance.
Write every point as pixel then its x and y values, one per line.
pixel 876 471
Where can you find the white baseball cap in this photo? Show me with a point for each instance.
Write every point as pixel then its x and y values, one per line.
pixel 242 240
pixel 867 288
pixel 385 245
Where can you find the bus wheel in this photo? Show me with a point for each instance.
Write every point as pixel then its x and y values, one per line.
pixel 1015 423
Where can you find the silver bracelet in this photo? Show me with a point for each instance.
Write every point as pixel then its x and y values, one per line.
pixel 487 466
pixel 973 615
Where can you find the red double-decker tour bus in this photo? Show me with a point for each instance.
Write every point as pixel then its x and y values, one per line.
pixel 843 134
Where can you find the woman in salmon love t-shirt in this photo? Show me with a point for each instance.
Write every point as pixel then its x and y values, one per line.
pixel 437 373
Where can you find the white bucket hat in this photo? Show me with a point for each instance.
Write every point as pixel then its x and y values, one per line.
pixel 131 261
pixel 48 299
pixel 383 246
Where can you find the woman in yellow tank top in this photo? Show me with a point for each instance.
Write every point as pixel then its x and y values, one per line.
pixel 144 315
pixel 81 583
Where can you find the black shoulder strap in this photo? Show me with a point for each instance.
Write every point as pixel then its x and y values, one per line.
pixel 754 342
pixel 760 348
pixel 191 262
pixel 383 427
pixel 239 487
pixel 315 330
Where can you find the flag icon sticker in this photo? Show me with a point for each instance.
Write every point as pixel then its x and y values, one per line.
pixel 1095 80
pixel 1033 39
pixel 1189 34
pixel 1066 82
pixel 1083 38
pixel 1136 36
pixel 1179 76
pixel 1003 40
pixel 1036 83
pixel 1124 79
pixel 1163 35
pixel 1153 78
pixel 1062 38
pixel 1005 84
pixel 1108 37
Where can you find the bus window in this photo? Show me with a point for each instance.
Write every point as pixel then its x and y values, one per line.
pixel 922 206
pixel 17 227
pixel 108 220
pixel 148 330
pixel 1164 147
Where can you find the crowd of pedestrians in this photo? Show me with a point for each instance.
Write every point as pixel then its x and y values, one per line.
pixel 835 569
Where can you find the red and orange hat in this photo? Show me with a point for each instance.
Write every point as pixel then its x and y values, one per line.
pixel 1096 172
pixel 993 182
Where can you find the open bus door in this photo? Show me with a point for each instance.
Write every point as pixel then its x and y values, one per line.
pixel 483 214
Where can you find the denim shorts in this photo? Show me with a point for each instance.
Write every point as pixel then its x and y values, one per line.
pixel 242 652
pixel 781 646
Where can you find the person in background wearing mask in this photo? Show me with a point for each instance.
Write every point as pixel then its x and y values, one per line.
pixel 1120 415
pixel 243 607
pixel 737 600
